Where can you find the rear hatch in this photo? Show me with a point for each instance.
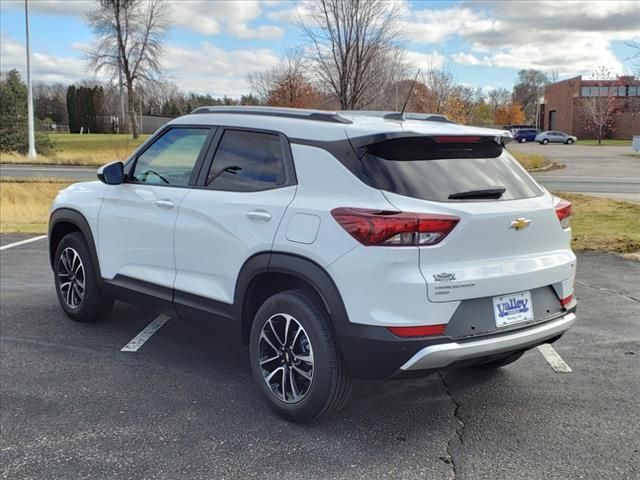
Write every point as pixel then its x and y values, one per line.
pixel 508 239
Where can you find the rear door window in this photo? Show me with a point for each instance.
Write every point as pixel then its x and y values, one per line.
pixel 421 168
pixel 247 161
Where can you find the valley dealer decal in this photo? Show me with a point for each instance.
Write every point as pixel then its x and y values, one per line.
pixel 446 288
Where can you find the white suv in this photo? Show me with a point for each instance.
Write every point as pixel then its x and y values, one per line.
pixel 338 245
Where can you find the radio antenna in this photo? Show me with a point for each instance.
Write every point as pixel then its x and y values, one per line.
pixel 409 94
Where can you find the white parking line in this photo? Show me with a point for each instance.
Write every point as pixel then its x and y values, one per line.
pixel 554 359
pixel 145 334
pixel 22 242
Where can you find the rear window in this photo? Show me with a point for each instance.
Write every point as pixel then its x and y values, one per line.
pixel 424 169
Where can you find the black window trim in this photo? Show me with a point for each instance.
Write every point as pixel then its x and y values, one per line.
pixel 131 163
pixel 289 168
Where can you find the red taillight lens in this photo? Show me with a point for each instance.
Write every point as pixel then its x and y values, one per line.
pixel 399 229
pixel 563 211
pixel 424 331
pixel 566 300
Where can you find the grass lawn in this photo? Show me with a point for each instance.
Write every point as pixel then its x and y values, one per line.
pixel 598 223
pixel 605 143
pixel 530 161
pixel 86 149
pixel 603 224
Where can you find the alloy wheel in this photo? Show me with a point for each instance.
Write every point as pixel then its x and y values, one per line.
pixel 286 358
pixel 71 277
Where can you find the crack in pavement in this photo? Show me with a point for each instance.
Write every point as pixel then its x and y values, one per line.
pixel 449 459
pixel 608 290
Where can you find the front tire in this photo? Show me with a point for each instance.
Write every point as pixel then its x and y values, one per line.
pixel 570 141
pixel 523 140
pixel 544 142
pixel 294 357
pixel 76 281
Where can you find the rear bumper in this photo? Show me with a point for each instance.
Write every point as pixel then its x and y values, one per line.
pixel 373 352
pixel 445 354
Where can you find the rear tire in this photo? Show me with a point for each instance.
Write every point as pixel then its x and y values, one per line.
pixel 523 140
pixel 500 362
pixel 294 358
pixel 544 142
pixel 76 281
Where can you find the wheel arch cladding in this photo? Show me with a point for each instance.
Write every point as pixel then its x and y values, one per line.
pixel 268 273
pixel 64 221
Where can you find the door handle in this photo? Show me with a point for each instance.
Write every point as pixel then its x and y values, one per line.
pixel 259 216
pixel 166 204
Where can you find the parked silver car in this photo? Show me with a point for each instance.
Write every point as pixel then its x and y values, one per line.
pixel 554 136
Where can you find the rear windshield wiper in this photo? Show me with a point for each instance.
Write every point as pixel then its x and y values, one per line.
pixel 492 193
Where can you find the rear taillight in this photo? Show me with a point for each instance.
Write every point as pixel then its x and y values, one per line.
pixel 394 229
pixel 563 211
pixel 423 331
pixel 566 300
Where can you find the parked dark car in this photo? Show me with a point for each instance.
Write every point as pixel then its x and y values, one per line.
pixel 523 135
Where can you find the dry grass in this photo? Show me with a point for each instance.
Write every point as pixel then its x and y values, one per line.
pixel 24 206
pixel 604 225
pixel 87 149
pixel 530 161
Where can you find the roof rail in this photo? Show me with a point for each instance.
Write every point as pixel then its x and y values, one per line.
pixel 303 114
pixel 387 115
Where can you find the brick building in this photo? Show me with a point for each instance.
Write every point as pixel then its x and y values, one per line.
pixel 563 107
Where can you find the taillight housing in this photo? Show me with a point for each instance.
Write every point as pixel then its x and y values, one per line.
pixel 563 211
pixel 394 229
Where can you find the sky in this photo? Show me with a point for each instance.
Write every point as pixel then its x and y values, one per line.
pixel 213 45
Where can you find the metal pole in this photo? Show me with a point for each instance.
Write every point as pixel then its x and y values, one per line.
pixel 122 120
pixel 32 136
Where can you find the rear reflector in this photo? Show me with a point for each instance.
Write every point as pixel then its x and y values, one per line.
pixel 563 211
pixel 425 331
pixel 566 300
pixel 394 229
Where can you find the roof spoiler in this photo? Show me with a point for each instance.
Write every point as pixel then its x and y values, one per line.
pixel 362 144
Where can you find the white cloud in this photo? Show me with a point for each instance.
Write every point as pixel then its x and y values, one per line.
pixel 234 18
pixel 424 61
pixel 44 67
pixel 53 7
pixel 433 26
pixel 571 38
pixel 205 17
pixel 210 69
pixel 467 59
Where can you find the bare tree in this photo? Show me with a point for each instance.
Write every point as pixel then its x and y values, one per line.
pixel 129 40
pixel 289 76
pixel 497 98
pixel 635 46
pixel 440 81
pixel 600 109
pixel 353 44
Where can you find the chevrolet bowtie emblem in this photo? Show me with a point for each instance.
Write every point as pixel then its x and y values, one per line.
pixel 520 223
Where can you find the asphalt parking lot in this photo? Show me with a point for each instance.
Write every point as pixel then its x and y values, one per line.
pixel 72 405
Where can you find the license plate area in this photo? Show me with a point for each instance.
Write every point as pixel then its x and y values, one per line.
pixel 513 308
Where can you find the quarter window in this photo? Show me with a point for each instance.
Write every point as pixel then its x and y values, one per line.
pixel 247 161
pixel 171 158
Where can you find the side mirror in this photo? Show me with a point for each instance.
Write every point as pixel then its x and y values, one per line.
pixel 111 173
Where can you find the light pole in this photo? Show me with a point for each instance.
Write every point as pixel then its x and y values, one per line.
pixel 32 136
